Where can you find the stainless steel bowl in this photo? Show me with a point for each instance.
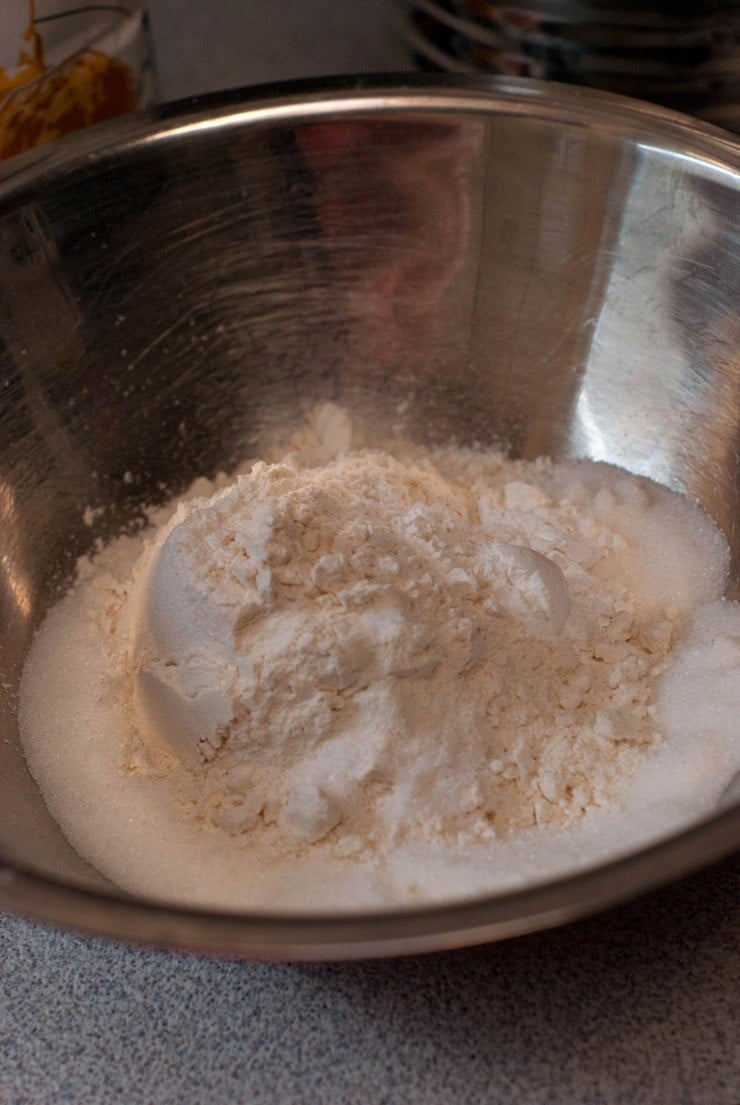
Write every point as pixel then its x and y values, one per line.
pixel 565 278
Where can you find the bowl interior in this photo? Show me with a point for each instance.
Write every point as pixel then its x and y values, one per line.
pixel 555 274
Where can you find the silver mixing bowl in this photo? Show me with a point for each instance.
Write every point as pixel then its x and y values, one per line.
pixel 549 267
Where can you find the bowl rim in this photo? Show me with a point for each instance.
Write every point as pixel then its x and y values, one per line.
pixel 361 935
pixel 437 926
pixel 366 94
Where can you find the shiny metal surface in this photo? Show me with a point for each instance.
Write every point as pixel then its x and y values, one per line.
pixel 547 267
pixel 686 56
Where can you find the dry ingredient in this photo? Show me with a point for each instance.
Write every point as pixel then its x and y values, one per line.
pixel 351 677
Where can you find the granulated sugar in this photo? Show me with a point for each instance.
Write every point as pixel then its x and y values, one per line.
pixel 349 677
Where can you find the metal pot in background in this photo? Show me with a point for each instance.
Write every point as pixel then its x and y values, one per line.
pixel 683 55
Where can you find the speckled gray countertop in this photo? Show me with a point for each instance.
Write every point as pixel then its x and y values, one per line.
pixel 639 1006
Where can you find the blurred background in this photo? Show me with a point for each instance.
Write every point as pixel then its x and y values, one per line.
pixel 683 53
pixel 65 65
pixel 203 45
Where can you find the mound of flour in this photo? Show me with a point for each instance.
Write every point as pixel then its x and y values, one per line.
pixel 385 677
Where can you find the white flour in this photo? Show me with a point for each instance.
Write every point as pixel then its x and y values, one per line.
pixel 355 677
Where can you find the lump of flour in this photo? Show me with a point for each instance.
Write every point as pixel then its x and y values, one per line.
pixel 346 653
